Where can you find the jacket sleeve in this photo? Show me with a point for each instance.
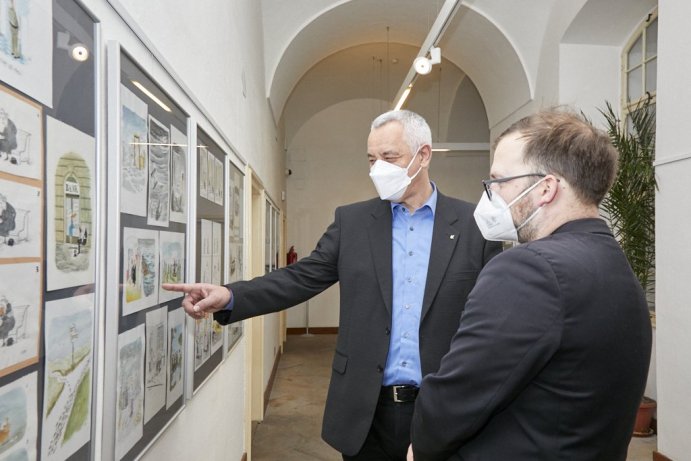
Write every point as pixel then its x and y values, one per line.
pixel 289 285
pixel 509 330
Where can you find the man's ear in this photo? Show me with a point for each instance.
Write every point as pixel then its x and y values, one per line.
pixel 425 155
pixel 548 189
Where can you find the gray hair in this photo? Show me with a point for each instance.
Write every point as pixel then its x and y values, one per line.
pixel 416 131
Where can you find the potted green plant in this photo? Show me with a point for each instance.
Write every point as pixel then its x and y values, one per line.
pixel 630 207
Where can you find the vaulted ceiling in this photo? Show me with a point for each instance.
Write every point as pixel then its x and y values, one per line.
pixel 498 44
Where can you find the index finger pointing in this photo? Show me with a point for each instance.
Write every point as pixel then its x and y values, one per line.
pixel 181 287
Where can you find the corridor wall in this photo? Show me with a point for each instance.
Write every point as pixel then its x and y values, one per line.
pixel 69 302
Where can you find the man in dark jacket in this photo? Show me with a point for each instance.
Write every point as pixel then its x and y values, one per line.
pixel 551 357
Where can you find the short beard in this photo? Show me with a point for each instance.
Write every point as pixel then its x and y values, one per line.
pixel 528 232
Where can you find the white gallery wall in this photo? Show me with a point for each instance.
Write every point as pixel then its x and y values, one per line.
pixel 673 219
pixel 216 74
pixel 589 77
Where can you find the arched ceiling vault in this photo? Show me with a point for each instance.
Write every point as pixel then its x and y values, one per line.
pixel 473 42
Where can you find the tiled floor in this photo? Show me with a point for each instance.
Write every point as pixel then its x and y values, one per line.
pixel 291 430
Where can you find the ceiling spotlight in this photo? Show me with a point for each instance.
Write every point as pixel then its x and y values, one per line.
pixel 423 65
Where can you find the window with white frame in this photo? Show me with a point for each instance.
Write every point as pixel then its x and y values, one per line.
pixel 639 63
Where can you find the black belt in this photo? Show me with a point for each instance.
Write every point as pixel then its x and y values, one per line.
pixel 399 393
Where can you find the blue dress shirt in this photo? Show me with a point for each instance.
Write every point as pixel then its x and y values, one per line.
pixel 412 243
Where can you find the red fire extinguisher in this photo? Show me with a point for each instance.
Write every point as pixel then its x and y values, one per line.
pixel 292 256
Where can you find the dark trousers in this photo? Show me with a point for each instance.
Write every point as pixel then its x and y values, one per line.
pixel 389 436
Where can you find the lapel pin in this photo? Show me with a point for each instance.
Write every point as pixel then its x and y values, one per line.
pixel 451 236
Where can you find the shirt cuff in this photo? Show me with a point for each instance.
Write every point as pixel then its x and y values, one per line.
pixel 231 303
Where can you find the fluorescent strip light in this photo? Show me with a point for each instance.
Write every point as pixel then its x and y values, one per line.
pixel 162 144
pixel 460 146
pixel 404 96
pixel 151 95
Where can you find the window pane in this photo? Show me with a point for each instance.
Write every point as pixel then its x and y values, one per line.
pixel 651 76
pixel 634 84
pixel 629 124
pixel 651 40
pixel 635 53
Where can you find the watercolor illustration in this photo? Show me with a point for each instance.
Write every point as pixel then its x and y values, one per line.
pixel 176 356
pixel 70 185
pixel 178 176
pixel 158 213
pixel 134 161
pixel 129 410
pixel 140 269
pixel 68 376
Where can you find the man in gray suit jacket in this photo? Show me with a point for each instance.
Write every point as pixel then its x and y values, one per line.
pixel 405 263
pixel 551 357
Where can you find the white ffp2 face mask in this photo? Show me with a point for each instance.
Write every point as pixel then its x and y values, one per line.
pixel 391 181
pixel 493 217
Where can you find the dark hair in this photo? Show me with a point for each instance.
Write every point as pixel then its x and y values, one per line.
pixel 561 142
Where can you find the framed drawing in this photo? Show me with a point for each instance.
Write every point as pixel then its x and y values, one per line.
pixel 176 356
pixel 202 341
pixel 21 140
pixel 68 376
pixel 219 182
pixel 171 263
pixel 134 156
pixel 209 257
pixel 158 204
pixel 19 424
pixel 203 172
pixel 20 315
pixel 129 415
pixel 178 176
pixel 21 220
pixel 211 176
pixel 70 182
pixel 26 47
pixel 155 366
pixel 139 269
pixel 236 190
pixel 69 172
pixel 149 160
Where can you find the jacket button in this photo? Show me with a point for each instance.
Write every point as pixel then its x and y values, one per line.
pixel 380 368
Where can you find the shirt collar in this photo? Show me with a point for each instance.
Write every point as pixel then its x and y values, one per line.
pixel 431 202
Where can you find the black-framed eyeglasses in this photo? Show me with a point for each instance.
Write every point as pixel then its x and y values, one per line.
pixel 487 183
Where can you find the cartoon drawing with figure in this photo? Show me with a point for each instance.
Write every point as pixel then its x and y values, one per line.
pixel 8 137
pixel 7 219
pixel 7 321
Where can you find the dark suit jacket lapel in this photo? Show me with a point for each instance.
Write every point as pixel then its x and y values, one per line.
pixel 444 239
pixel 380 248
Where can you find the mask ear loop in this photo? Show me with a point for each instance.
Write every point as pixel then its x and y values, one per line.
pixel 524 193
pixel 411 164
